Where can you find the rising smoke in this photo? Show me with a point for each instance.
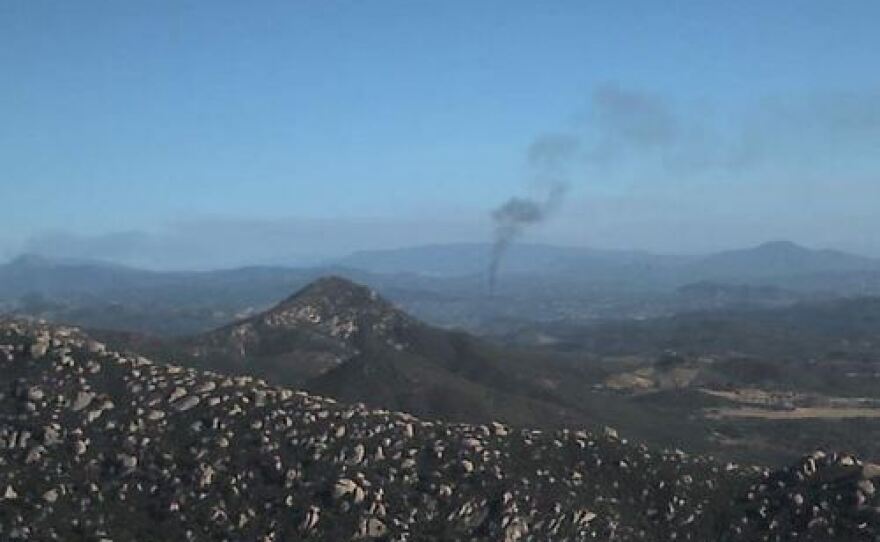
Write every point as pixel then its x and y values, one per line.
pixel 513 217
pixel 548 158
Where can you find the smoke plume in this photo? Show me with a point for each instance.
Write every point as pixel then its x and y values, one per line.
pixel 548 158
pixel 513 217
pixel 622 120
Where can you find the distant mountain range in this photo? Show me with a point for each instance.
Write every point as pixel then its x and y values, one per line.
pixel 772 260
pixel 778 260
pixel 769 261
pixel 455 260
pixel 444 285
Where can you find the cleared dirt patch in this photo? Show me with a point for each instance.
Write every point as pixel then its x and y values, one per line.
pixel 754 396
pixel 793 414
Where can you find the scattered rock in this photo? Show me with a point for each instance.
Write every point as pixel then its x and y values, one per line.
pixel 82 400
pixel 311 519
pixel 39 349
pixel 372 528
pixel 10 494
pixel 50 496
pixel 187 403
pixel 35 394
pixel 253 462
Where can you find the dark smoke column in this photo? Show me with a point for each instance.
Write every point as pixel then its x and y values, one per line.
pixel 548 159
pixel 512 218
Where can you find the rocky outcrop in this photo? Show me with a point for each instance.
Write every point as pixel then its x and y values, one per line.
pixel 97 445
pixel 826 496
pixel 333 310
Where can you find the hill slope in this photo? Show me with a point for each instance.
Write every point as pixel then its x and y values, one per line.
pixel 343 340
pixel 103 446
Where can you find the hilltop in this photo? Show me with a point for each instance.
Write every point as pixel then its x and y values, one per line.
pixel 324 324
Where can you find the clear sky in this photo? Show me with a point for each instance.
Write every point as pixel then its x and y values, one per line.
pixel 694 125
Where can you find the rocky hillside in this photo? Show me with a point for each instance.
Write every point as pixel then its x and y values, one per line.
pixel 100 446
pixel 318 328
pixel 343 340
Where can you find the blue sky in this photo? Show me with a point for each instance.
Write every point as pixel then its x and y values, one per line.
pixel 698 125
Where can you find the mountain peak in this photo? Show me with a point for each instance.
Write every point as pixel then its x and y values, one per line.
pixel 334 286
pixel 335 293
pixel 781 246
pixel 316 329
pixel 345 308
